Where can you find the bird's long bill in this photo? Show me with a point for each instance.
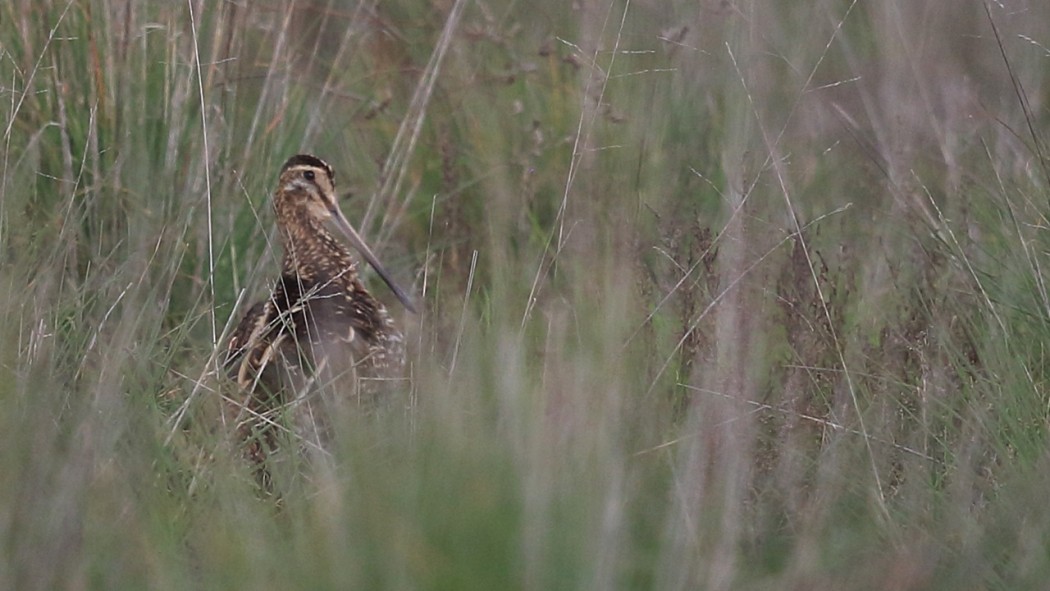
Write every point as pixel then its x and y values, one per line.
pixel 357 242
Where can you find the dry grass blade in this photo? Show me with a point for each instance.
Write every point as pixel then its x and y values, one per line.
pixel 396 166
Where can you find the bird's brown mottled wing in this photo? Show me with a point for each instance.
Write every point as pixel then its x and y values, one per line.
pixel 245 354
pixel 247 337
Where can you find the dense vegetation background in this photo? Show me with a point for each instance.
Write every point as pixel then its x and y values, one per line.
pixel 718 294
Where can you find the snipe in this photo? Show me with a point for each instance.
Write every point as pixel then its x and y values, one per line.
pixel 320 341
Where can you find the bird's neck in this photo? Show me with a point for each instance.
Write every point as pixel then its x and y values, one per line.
pixel 312 253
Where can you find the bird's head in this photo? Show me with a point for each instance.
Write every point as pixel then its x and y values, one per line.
pixel 306 191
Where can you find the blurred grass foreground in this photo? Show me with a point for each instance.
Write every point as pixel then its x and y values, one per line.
pixel 718 294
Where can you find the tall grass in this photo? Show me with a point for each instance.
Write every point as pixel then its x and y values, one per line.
pixel 717 295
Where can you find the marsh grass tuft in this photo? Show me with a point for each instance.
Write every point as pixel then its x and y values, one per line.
pixel 742 296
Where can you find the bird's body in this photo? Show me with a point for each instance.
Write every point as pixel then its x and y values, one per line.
pixel 320 342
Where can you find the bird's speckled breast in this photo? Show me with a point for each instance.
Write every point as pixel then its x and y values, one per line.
pixel 327 308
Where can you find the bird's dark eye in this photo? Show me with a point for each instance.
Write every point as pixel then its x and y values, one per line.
pixel 308 175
